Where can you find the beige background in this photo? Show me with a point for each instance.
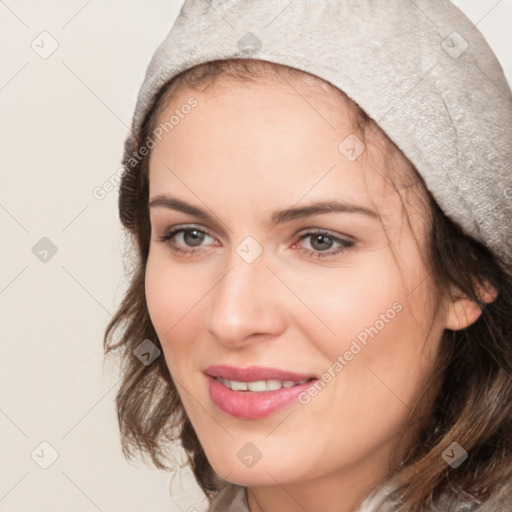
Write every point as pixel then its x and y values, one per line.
pixel 63 123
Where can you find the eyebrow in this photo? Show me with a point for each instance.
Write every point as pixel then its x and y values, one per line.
pixel 278 217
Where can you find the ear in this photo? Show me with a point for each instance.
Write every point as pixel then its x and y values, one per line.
pixel 462 311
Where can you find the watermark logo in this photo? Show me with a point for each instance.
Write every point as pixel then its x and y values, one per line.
pixel 100 192
pixel 454 455
pixel 454 45
pixel 351 147
pixel 45 45
pixel 44 455
pixel 356 346
pixel 249 455
pixel 147 352
pixel 44 250
pixel 249 45
pixel 249 249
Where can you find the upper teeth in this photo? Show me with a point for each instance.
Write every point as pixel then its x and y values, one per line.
pixel 259 385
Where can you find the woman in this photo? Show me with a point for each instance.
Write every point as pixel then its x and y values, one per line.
pixel 317 193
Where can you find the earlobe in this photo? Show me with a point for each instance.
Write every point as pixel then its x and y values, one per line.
pixel 462 311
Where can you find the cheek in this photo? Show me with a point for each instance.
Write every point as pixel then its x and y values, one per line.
pixel 176 297
pixel 386 363
pixel 378 349
pixel 160 301
pixel 170 297
pixel 347 300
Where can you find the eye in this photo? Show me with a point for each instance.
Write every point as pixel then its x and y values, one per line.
pixel 186 237
pixel 322 242
pixel 186 241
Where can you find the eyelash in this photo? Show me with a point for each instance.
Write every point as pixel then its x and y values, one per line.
pixel 345 245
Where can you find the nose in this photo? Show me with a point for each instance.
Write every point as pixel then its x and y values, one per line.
pixel 244 306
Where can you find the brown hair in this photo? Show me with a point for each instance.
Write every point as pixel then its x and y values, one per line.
pixel 472 377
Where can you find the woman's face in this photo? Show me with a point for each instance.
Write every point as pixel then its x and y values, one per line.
pixel 268 285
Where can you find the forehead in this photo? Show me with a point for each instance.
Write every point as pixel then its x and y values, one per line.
pixel 264 144
pixel 258 126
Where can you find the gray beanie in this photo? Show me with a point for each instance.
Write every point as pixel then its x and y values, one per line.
pixel 420 69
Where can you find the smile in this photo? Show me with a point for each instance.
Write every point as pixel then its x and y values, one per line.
pixel 259 385
pixel 255 392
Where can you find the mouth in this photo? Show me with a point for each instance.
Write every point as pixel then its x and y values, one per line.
pixel 259 386
pixel 255 392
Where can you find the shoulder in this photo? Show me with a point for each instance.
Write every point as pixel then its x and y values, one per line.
pixel 500 501
pixel 231 498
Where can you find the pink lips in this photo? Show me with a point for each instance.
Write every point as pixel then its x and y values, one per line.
pixel 249 404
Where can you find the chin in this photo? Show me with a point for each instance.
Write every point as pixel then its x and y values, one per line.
pixel 250 477
pixel 261 473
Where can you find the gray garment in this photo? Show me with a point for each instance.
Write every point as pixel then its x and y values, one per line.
pixel 232 498
pixel 420 68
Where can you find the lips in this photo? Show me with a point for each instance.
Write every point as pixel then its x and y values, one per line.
pixel 249 404
pixel 254 373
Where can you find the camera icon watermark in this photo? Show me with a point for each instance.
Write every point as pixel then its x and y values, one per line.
pixel 249 44
pixel 44 250
pixel 351 147
pixel 249 249
pixel 454 455
pixel 44 455
pixel 454 45
pixel 249 455
pixel 45 45
pixel 147 352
